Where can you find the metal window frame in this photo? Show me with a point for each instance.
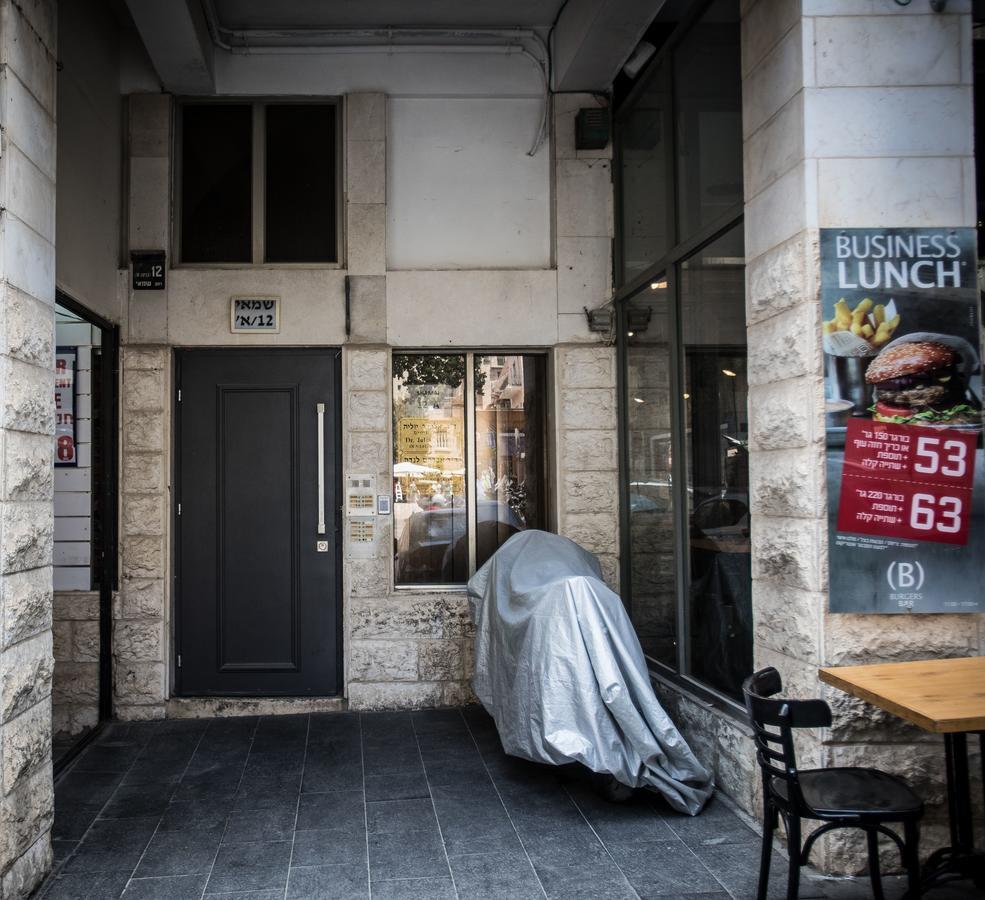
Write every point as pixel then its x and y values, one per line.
pixel 667 267
pixel 259 181
pixel 469 450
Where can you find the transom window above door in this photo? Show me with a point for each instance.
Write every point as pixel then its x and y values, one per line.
pixel 257 183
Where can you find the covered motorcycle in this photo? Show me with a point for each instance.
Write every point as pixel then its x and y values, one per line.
pixel 559 668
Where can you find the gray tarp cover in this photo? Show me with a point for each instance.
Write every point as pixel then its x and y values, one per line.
pixel 559 668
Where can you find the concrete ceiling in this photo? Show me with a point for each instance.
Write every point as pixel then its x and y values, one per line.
pixel 237 15
pixel 590 39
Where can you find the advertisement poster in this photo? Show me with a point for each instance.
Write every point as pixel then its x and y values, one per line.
pixel 65 446
pixel 903 404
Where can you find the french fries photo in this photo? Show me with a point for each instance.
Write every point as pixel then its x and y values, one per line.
pixel 866 321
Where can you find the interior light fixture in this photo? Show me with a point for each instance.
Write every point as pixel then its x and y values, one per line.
pixel 729 372
pixel 687 396
pixel 638 400
pixel 658 285
pixel 630 333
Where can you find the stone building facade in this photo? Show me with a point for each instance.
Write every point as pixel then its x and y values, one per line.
pixel 854 114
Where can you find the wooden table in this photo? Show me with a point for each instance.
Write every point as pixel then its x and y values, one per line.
pixel 943 696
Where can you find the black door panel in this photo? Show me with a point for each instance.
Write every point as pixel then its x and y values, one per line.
pixel 257 603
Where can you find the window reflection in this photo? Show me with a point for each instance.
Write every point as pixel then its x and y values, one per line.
pixel 429 509
pixel 509 448
pixel 653 588
pixel 716 440
pixel 708 104
pixel 645 136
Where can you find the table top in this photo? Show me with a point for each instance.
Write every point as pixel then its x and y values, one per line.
pixel 939 695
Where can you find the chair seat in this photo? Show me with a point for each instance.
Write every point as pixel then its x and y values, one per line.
pixel 849 792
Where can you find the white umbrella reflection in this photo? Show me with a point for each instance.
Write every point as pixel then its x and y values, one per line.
pixel 409 468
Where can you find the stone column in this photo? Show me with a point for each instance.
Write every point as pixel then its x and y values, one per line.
pixel 854 115
pixel 27 421
pixel 586 462
pixel 141 608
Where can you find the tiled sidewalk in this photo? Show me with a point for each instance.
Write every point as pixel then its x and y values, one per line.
pixel 388 805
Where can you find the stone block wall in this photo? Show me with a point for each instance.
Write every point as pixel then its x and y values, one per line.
pixel 27 424
pixel 140 615
pixel 75 640
pixel 405 649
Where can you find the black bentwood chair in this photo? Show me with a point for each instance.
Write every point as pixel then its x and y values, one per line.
pixel 839 797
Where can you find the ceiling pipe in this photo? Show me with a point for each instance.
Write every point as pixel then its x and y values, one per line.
pixel 520 41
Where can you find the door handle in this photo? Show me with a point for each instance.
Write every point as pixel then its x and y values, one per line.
pixel 321 467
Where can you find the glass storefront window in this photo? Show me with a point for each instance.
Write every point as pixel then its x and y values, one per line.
pixel 708 118
pixel 644 154
pixel 716 432
pixel 649 445
pixel 682 342
pixel 509 448
pixel 429 509
pixel 441 473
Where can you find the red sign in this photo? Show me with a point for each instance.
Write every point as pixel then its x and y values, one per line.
pixel 907 481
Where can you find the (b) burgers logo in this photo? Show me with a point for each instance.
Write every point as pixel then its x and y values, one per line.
pixel 919 383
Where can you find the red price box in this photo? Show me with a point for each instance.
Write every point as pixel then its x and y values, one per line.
pixel 906 481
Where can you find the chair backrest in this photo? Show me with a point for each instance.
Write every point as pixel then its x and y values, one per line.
pixel 773 719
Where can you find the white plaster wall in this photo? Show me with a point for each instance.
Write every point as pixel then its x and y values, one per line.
pixel 462 191
pixel 89 156
pixel 393 70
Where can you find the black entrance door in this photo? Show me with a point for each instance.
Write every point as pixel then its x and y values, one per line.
pixel 257 458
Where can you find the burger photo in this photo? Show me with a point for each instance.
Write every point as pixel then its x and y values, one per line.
pixel 920 382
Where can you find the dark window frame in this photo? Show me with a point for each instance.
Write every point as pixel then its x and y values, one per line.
pixel 259 159
pixel 470 354
pixel 668 268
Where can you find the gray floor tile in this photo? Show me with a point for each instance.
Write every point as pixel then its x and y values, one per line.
pixel 736 866
pixel 61 850
pixel 156 771
pixel 337 809
pixel 247 895
pixel 217 762
pixel 438 721
pixel 414 889
pixel 185 887
pixel 195 815
pixel 86 886
pixel 251 867
pixel 338 882
pixel 406 855
pixel 272 823
pixel 320 777
pixel 255 792
pixel 179 853
pixel 584 881
pixel 564 847
pixel 473 824
pixel 716 824
pixel 393 761
pixel 134 801
pixel 399 815
pixel 207 787
pixel 635 821
pixel 113 758
pixel 497 876
pixel 85 788
pixel 72 822
pixel 327 847
pixel 113 845
pixel 334 753
pixel 405 786
pixel 274 762
pixel 663 869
